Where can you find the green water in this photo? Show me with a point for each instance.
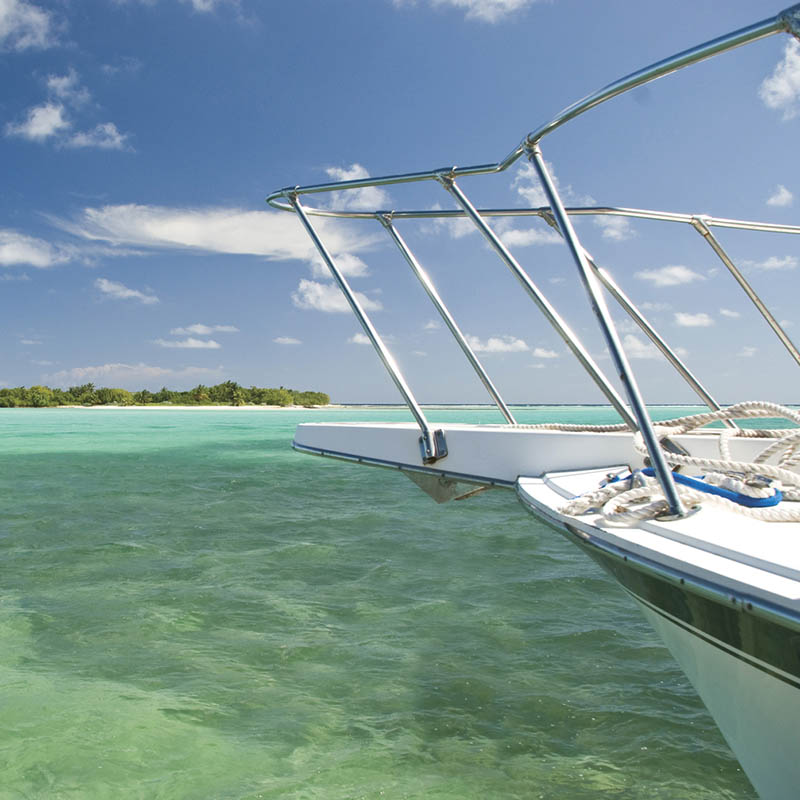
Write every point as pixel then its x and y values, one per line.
pixel 190 609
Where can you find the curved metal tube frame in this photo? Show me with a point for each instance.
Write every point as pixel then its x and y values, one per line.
pixel 287 199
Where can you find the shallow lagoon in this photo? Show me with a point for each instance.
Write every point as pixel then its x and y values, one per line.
pixel 190 609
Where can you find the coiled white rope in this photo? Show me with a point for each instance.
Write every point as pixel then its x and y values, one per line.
pixel 641 497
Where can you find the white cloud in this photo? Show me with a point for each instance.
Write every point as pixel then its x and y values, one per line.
pixel 189 343
pixel 635 347
pixel 497 344
pixel 30 341
pixel 203 6
pixel 528 186
pixel 371 198
pixel 104 136
pixel 617 229
pixel 648 306
pixel 311 295
pixel 49 120
pixel 131 376
pixel 726 312
pixel 275 235
pixel 420 353
pixel 41 123
pixel 669 276
pixel 781 197
pixel 541 352
pixel 701 320
pixel 68 88
pixel 359 338
pixel 515 237
pixel 198 329
pixel 483 10
pixel 20 276
pixel 286 340
pixel 432 325
pixel 781 90
pixel 773 263
pixel 119 291
pixel 747 352
pixel 24 25
pixel 17 248
pixel 348 264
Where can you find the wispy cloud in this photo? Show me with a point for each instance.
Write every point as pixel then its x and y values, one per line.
pixel 685 320
pixel 198 329
pixel 19 249
pixel 51 119
pixel 131 376
pixel 638 348
pixel 370 198
pixel 669 276
pixel 347 263
pixel 524 237
pixel 119 291
pixel 747 351
pixel 24 26
pixel 726 312
pixel 497 344
pixel 40 123
pixel 359 338
pixel 311 295
pixel 286 340
pixel 528 186
pixel 432 325
pixel 104 136
pixel 781 197
pixel 773 263
pixel 68 88
pixel 274 235
pixel 781 90
pixel 482 10
pixel 189 343
pixel 542 352
pixel 617 229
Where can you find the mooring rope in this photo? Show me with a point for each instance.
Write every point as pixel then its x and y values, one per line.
pixel 746 487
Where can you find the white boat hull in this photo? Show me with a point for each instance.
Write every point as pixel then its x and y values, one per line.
pixel 755 707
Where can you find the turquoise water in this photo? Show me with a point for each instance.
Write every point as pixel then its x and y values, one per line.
pixel 190 609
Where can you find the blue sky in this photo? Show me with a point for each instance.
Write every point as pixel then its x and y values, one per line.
pixel 140 139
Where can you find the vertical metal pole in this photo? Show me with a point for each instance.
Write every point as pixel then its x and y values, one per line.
pixel 600 309
pixel 427 284
pixel 430 442
pixel 654 337
pixel 536 295
pixel 702 228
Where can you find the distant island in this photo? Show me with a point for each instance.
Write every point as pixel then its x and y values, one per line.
pixel 229 393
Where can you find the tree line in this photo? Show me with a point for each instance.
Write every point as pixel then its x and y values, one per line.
pixel 229 393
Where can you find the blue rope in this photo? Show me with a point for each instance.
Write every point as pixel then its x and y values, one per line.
pixel 708 488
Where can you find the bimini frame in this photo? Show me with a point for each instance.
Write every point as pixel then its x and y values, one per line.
pixel 634 412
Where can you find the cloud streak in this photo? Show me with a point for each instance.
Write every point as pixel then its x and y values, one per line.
pixel 669 276
pixel 131 376
pixel 273 235
pixel 490 11
pixel 118 291
pixel 189 344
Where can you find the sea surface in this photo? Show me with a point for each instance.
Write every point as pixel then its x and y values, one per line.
pixel 190 609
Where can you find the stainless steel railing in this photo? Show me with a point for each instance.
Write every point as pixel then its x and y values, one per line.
pixel 634 413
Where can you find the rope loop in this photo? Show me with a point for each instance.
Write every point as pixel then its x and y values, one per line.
pixel 759 490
